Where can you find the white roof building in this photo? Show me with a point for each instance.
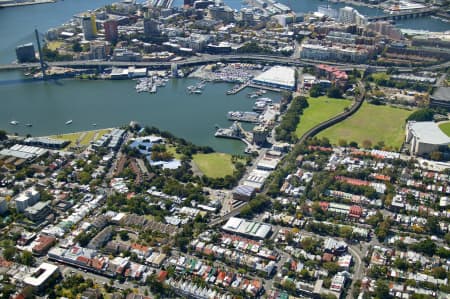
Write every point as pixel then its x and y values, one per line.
pixel 247 228
pixel 278 76
pixel 425 137
pixel 41 275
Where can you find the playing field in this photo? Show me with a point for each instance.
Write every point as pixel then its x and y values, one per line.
pixel 319 110
pixel 445 127
pixel 214 165
pixel 373 123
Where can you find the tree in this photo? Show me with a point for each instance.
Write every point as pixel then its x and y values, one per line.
pixel 334 92
pixel 342 142
pixel 401 264
pixel 315 91
pixel 426 246
pixel 345 232
pixel 367 143
pixel 3 135
pixel 331 267
pixel 425 114
pixel 382 290
pixel 124 235
pixel 9 253
pixel 439 272
pixel 76 47
pixel 27 258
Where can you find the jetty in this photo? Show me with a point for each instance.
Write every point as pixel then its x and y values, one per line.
pixel 237 88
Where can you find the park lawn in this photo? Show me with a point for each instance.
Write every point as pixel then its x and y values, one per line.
pixel 54 45
pixel 445 127
pixel 319 110
pixel 373 123
pixel 71 137
pixel 380 76
pixel 173 150
pixel 214 165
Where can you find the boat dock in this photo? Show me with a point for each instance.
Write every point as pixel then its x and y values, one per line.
pixel 250 117
pixel 236 132
pixel 237 88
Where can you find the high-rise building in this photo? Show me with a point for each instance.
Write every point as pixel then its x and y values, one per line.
pixel 150 27
pixel 111 32
pixel 89 27
pixel 349 15
pixel 25 53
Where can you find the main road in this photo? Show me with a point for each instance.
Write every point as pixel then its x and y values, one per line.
pixel 204 59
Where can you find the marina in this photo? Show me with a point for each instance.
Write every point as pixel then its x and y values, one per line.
pixel 150 84
pixel 261 104
pixel 197 88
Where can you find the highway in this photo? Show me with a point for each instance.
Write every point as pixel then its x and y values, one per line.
pixel 205 58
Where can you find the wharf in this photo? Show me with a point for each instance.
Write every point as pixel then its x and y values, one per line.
pixel 250 117
pixel 237 88
pixel 265 87
pixel 236 132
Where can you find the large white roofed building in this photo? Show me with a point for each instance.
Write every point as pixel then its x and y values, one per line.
pixel 425 137
pixel 277 76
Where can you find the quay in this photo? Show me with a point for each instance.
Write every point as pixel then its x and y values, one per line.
pixel 250 117
pixel 236 132
pixel 236 89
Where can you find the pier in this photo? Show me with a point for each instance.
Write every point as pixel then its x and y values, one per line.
pixel 236 132
pixel 238 88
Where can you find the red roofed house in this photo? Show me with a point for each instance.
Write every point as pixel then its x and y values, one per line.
pixel 355 211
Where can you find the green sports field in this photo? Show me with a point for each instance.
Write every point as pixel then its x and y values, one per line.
pixel 214 165
pixel 319 110
pixel 445 127
pixel 373 123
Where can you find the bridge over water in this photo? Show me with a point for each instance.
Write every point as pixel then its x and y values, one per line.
pixel 404 15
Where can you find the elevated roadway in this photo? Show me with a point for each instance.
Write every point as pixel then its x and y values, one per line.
pixel 204 59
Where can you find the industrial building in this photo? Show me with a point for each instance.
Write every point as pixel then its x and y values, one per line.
pixel 277 77
pixel 46 142
pixel 23 152
pixel 249 229
pixel 243 192
pixel 425 137
pixel 440 98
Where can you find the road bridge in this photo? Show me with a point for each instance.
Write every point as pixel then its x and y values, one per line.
pixel 404 15
pixel 205 59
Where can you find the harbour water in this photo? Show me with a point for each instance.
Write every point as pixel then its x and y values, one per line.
pixel 48 105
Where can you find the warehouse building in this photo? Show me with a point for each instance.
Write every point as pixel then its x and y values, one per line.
pixel 277 77
pixel 249 229
pixel 441 98
pixel 425 137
